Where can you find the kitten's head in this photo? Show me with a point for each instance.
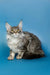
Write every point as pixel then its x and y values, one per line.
pixel 14 30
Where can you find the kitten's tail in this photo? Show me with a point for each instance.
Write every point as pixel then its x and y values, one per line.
pixel 28 55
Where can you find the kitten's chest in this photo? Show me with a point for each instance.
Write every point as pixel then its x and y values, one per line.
pixel 13 42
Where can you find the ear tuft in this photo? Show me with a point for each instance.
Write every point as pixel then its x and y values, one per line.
pixel 8 27
pixel 20 25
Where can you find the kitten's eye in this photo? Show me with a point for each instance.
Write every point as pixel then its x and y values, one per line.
pixel 11 32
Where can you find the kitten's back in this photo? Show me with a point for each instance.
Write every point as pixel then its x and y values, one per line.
pixel 34 49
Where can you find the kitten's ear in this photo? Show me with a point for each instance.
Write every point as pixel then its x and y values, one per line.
pixel 8 27
pixel 20 25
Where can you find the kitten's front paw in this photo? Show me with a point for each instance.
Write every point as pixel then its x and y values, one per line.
pixel 18 57
pixel 10 58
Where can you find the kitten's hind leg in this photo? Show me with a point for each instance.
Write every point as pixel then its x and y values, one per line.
pixel 40 52
pixel 20 55
pixel 12 55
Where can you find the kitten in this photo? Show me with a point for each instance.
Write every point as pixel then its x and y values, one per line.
pixel 25 44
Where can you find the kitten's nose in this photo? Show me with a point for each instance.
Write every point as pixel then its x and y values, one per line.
pixel 15 31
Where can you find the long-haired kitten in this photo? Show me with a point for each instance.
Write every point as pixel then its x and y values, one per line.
pixel 25 44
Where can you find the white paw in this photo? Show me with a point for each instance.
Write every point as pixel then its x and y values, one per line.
pixel 10 58
pixel 18 57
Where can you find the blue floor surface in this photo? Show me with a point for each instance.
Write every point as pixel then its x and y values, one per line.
pixel 25 67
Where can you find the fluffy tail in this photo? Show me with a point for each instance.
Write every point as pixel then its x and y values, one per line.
pixel 28 55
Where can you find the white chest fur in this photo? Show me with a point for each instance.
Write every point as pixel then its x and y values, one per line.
pixel 13 42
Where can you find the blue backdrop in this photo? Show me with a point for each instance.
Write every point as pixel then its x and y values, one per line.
pixel 36 16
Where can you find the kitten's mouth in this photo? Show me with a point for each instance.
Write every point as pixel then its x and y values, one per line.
pixel 15 35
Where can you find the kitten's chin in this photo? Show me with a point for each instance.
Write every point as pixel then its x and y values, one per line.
pixel 15 35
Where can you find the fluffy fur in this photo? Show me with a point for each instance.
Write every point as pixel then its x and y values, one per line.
pixel 26 44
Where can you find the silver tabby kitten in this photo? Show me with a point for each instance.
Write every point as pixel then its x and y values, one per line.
pixel 25 44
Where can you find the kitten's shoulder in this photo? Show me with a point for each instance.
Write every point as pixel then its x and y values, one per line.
pixel 31 35
pixel 28 33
